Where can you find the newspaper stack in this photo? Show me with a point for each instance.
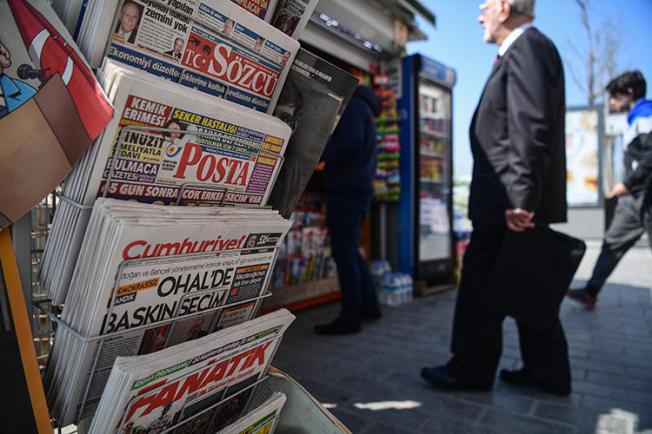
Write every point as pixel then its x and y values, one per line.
pixel 222 155
pixel 262 419
pixel 153 276
pixel 183 384
pixel 211 45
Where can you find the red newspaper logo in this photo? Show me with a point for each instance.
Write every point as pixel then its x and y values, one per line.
pixel 210 375
pixel 220 60
pixel 209 167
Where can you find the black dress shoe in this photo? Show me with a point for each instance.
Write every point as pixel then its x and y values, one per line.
pixel 520 377
pixel 338 327
pixel 440 376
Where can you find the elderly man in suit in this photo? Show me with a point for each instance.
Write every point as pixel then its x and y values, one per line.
pixel 517 140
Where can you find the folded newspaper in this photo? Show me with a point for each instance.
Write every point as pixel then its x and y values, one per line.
pixel 262 419
pixel 149 277
pixel 184 386
pixel 313 99
pixel 222 155
pixel 214 46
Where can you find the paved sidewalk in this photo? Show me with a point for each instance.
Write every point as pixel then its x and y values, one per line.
pixel 611 357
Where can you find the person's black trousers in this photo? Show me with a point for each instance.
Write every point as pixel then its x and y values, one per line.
pixel 344 217
pixel 477 332
pixel 632 218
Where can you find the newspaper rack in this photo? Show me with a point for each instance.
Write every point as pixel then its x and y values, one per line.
pixel 100 339
pixel 86 210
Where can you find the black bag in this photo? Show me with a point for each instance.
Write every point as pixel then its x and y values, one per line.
pixel 531 275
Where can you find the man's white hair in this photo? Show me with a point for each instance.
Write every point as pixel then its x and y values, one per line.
pixel 522 7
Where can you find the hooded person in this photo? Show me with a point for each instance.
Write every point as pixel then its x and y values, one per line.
pixel 350 158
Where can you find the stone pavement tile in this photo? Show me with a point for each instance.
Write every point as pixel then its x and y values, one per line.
pixel 592 365
pixel 579 374
pixel 532 393
pixel 569 414
pixel 433 403
pixel 644 374
pixel 437 402
pixel 600 390
pixel 505 422
pixel 641 397
pixel 622 381
pixel 411 365
pixel 621 359
pixel 514 403
pixel 408 420
pixel 379 428
pixel 600 406
pixel 328 394
pixel 354 422
pixel 452 426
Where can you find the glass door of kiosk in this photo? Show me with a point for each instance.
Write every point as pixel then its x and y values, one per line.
pixel 426 203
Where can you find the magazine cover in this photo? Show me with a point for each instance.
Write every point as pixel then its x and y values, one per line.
pixel 292 16
pixel 51 106
pixel 313 99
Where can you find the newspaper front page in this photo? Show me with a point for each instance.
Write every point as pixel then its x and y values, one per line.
pixel 213 46
pixel 235 155
pixel 183 383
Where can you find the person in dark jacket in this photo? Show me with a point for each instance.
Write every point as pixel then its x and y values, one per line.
pixel 633 214
pixel 350 158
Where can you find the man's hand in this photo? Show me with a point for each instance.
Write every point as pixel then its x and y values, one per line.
pixel 519 219
pixel 619 190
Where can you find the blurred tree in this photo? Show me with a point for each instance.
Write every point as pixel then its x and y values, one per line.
pixel 596 62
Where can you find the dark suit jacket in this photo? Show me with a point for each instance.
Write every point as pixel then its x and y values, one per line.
pixel 517 134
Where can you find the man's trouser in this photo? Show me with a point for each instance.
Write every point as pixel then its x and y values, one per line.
pixel 477 332
pixel 344 217
pixel 632 218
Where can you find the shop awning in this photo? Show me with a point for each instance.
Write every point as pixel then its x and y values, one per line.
pixel 422 10
pixel 370 28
